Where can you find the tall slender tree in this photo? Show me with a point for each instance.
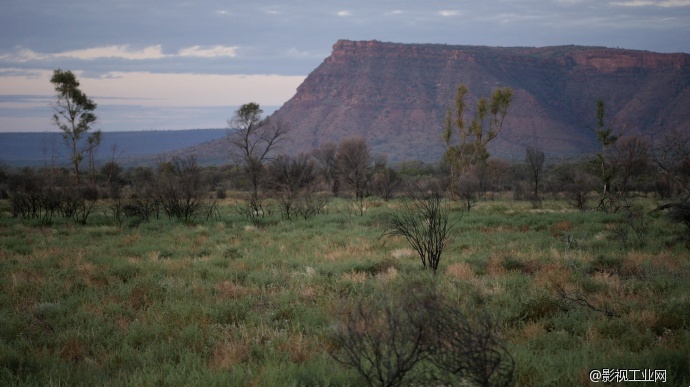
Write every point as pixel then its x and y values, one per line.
pixel 535 159
pixel 475 134
pixel 252 143
pixel 606 138
pixel 74 115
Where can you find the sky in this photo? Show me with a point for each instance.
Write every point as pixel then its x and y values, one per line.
pixel 173 64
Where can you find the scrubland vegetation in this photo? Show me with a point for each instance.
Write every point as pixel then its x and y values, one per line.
pixel 241 301
pixel 186 275
pixel 335 268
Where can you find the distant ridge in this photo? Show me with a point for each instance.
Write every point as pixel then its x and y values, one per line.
pixel 34 149
pixel 395 95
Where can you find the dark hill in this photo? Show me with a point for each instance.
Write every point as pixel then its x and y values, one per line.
pixel 395 95
pixel 141 147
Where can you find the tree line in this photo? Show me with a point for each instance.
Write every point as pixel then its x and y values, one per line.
pixel 302 184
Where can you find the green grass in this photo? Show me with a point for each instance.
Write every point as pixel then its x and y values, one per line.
pixel 227 302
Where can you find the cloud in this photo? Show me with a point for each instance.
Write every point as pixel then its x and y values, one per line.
pixel 22 55
pixel 211 52
pixel 650 3
pixel 448 13
pixel 24 101
pixel 344 13
pixel 121 51
pixel 294 52
pixel 153 89
pixel 514 17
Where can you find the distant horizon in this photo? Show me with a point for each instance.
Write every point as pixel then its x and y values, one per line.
pixel 218 113
pixel 57 131
pixel 19 149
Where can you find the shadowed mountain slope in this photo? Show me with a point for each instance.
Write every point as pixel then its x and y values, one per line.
pixel 395 95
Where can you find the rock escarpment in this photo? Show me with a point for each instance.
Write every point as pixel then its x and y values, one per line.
pixel 396 95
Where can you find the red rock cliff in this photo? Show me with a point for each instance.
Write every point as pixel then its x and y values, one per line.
pixel 396 95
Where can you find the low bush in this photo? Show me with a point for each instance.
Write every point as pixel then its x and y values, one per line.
pixel 419 337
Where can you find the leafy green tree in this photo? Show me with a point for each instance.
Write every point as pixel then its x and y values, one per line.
pixel 475 134
pixel 74 115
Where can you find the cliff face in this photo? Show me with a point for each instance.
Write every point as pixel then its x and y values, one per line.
pixel 395 95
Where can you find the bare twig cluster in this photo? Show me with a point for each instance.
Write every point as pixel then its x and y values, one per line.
pixel 423 222
pixel 577 298
pixel 419 337
pixel 178 191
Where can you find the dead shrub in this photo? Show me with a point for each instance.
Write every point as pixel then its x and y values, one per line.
pixel 72 349
pixel 423 222
pixel 462 271
pixel 561 228
pixel 227 289
pixel 551 276
pixel 382 339
pixel 299 347
pixel 229 354
pixel 419 337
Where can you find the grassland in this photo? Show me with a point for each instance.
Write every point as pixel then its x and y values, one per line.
pixel 229 302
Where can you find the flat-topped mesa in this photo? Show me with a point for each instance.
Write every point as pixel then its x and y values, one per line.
pixel 609 60
pixel 374 48
pixel 600 58
pixel 396 95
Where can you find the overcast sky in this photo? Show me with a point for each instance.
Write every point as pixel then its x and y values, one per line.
pixel 154 64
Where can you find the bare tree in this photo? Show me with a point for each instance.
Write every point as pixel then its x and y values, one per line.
pixel 180 190
pixel 93 142
pixel 672 156
pixel 112 170
pixel 498 172
pixel 290 177
pixel 355 164
pixel 253 141
pixel 384 182
pixel 327 157
pixel 469 185
pixel 420 337
pixel 423 221
pixel 630 157
pixel 576 181
pixel 535 159
pixel 470 349
pixel 607 135
pixel 383 338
